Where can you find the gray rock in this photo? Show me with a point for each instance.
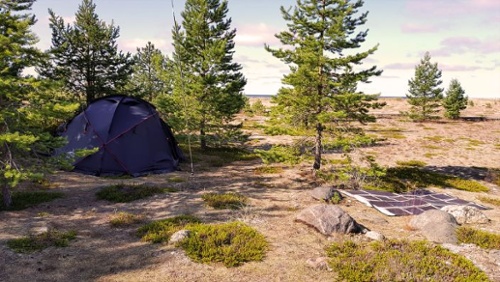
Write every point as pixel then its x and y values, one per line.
pixel 436 225
pixel 179 236
pixel 466 214
pixel 375 236
pixel 328 219
pixel 325 193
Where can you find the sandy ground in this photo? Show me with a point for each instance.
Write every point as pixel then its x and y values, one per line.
pixel 104 253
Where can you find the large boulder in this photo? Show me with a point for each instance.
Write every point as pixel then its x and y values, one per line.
pixel 436 225
pixel 325 193
pixel 328 219
pixel 466 214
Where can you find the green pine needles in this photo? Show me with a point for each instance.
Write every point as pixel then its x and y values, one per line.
pixel 321 88
pixel 424 94
pixel 455 100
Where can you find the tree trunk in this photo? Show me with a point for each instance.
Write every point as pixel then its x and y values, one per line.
pixel 7 198
pixel 317 149
pixel 203 140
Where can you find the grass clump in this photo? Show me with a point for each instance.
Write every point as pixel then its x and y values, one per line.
pixel 33 243
pixel 121 193
pixel 403 178
pixel 347 142
pixel 125 218
pixel 483 239
pixel 267 169
pixel 280 154
pixel 160 231
pixel 412 163
pixel 492 201
pixel 231 200
pixel 23 200
pixel 395 260
pixel 231 243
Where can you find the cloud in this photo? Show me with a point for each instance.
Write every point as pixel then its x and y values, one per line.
pixel 447 8
pixel 461 45
pixel 459 68
pixel 399 66
pixel 256 35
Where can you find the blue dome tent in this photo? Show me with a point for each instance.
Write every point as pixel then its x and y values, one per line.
pixel 130 136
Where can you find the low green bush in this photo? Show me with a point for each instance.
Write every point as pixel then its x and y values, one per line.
pixel 280 154
pixel 23 200
pixel 481 238
pixel 412 163
pixel 160 231
pixel 33 243
pixel 267 169
pixel 125 218
pixel 395 260
pixel 231 200
pixel 231 243
pixel 121 193
pixel 404 178
pixel 492 201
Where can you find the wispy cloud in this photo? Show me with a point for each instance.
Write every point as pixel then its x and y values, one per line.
pixel 256 35
pixel 459 68
pixel 452 8
pixel 461 45
pixel 399 66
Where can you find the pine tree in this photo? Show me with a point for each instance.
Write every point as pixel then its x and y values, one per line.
pixel 151 73
pixel 24 112
pixel 455 100
pixel 208 85
pixel 424 94
pixel 85 55
pixel 321 87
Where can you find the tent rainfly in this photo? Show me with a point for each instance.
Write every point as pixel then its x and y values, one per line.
pixel 130 136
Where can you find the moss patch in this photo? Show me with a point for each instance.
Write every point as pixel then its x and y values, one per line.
pixel 121 219
pixel 231 243
pixel 33 243
pixel 23 200
pixel 225 201
pixel 483 239
pixel 395 260
pixel 160 231
pixel 404 178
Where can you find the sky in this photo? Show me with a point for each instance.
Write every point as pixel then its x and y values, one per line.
pixel 462 36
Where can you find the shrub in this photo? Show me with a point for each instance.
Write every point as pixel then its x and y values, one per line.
pixel 23 200
pixel 483 239
pixel 229 243
pixel 280 154
pixel 412 163
pixel 125 218
pixel 492 201
pixel 347 143
pixel 267 169
pixel 160 231
pixel 41 241
pixel 121 193
pixel 225 201
pixel 395 260
pixel 401 179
